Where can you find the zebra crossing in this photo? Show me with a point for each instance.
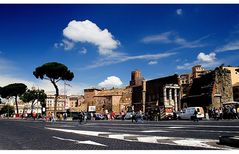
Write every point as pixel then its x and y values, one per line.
pixel 179 141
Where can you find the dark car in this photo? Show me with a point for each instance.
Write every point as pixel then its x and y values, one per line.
pixel 99 116
pixel 75 116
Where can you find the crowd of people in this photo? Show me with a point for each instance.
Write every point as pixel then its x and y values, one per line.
pixel 137 117
pixel 226 112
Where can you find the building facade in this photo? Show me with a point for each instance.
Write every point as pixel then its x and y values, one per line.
pixel 235 81
pixel 72 103
pixel 76 103
pixel 60 106
pixel 198 71
pixel 158 96
pixel 108 100
pixel 210 90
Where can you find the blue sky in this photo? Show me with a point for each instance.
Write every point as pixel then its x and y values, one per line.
pixel 103 43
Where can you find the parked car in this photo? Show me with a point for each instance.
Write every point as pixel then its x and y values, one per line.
pixel 75 115
pixel 188 113
pixel 99 116
pixel 118 117
pixel 128 116
pixel 176 115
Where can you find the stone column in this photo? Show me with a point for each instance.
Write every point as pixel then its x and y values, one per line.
pixel 165 95
pixel 170 96
pixel 144 95
pixel 175 100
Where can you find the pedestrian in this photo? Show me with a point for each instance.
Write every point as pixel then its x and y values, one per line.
pixel 234 113
pixel 133 117
pixel 85 117
pixel 122 115
pixel 113 115
pixel 195 116
pixel 140 117
pixel 49 115
pixel 34 115
pixel 65 116
pixel 221 113
pixel 217 115
pixel 53 118
pixel 229 111
pixel 80 117
pixel 61 117
pixel 91 116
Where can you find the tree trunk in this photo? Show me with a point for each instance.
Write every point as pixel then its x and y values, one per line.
pixel 16 103
pixel 56 96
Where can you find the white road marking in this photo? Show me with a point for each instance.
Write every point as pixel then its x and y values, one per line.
pixel 120 136
pixel 91 133
pixel 196 143
pixel 152 131
pixel 149 139
pixel 175 127
pixel 79 142
pixel 193 142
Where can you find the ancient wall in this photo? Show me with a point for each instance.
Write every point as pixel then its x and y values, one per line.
pixel 116 104
pixel 222 90
pixel 103 103
pixel 126 99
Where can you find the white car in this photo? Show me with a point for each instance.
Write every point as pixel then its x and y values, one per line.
pixel 188 113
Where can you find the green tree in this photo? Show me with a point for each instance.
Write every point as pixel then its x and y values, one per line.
pixel 7 109
pixel 33 95
pixel 15 89
pixel 54 72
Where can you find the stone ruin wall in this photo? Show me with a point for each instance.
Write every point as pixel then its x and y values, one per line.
pixel 223 86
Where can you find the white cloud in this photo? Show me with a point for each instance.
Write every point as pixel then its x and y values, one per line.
pixel 58 45
pixel 119 58
pixel 207 61
pixel 174 38
pixel 110 82
pixel 163 37
pixel 149 56
pixel 153 62
pixel 188 66
pixel 179 11
pixel 83 51
pixel 66 44
pixel 229 47
pixel 88 32
pixel 206 58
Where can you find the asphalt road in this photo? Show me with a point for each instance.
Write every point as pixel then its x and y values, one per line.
pixel 115 135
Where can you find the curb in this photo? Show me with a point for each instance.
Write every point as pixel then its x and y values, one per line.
pixel 229 140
